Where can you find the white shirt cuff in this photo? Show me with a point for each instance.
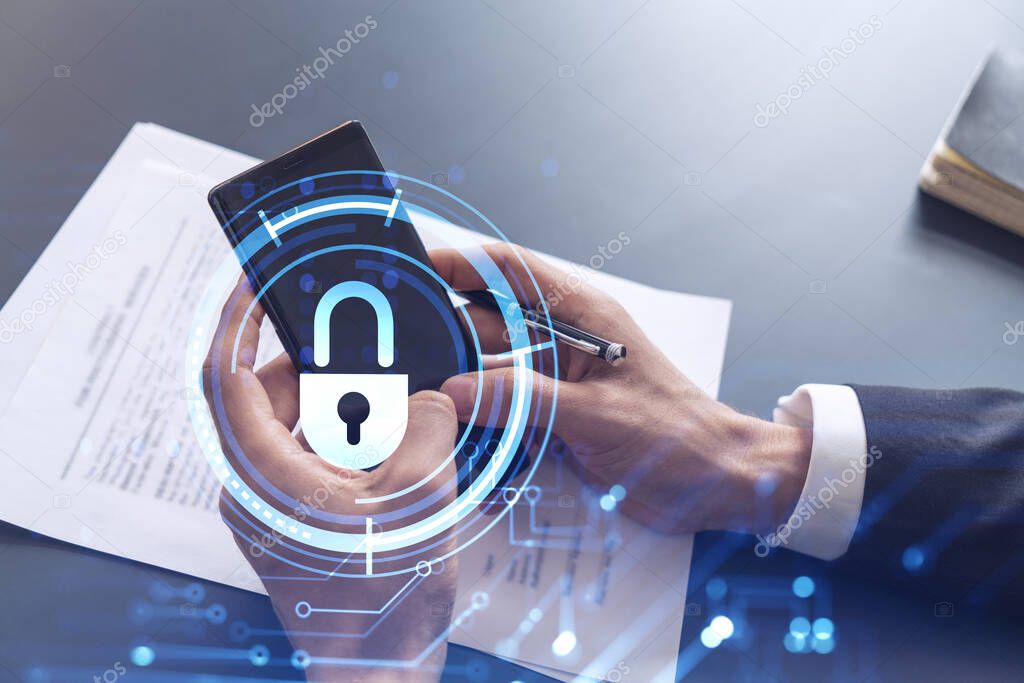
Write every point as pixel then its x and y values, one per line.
pixel 826 514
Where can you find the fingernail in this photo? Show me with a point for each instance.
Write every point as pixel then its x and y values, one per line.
pixel 462 391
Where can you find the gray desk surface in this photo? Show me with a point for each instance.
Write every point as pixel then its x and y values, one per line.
pixel 567 124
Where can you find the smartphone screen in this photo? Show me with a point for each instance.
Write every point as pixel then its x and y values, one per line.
pixel 430 343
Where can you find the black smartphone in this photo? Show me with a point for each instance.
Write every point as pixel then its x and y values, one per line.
pixel 297 266
pixel 430 344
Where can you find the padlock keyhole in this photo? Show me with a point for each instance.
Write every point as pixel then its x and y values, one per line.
pixel 353 409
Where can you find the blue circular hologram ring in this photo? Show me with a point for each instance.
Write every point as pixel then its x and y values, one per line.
pixel 423 529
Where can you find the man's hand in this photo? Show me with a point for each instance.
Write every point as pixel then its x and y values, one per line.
pixel 688 463
pixel 361 621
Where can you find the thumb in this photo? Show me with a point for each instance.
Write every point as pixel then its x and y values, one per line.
pixel 428 441
pixel 496 389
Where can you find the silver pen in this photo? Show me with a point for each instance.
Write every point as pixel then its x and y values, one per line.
pixel 611 352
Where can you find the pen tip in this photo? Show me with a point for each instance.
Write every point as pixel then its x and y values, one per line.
pixel 615 354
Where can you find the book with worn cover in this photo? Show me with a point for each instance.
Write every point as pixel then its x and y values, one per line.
pixel 977 164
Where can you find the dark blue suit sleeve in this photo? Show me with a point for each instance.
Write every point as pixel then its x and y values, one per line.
pixel 944 503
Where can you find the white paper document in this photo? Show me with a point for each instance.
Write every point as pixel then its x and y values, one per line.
pixel 96 446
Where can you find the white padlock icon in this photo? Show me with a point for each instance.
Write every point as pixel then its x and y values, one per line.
pixel 353 420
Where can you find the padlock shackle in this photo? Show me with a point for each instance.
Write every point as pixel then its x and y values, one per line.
pixel 354 289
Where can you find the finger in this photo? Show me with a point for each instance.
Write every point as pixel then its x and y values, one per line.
pixel 428 442
pixel 489 327
pixel 544 362
pixel 496 389
pixel 281 382
pixel 244 413
pixel 577 302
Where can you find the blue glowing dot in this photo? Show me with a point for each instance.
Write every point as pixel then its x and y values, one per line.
pixel 301 659
pixel 248 190
pixel 618 492
pixel 259 655
pixel 536 614
pixel 549 168
pixel 803 586
pixel 216 613
pixel 389 279
pixel 480 600
pixel 716 588
pixel 306 186
pixel 723 627
pixel 823 628
pixel 390 80
pixel 794 643
pixel 456 175
pixel 140 611
pixel 823 645
pixel 800 627
pixel 564 643
pixel 709 638
pixel 239 631
pixel 160 591
pixel 765 484
pixel 307 282
pixel 142 655
pixel 913 558
pixel 195 592
pixel 607 503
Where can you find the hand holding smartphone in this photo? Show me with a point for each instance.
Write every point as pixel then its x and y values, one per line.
pixel 298 267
